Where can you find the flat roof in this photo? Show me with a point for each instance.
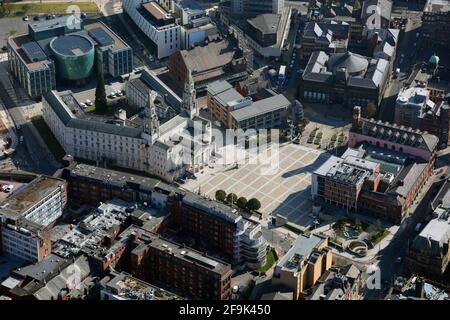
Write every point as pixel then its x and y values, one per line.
pixel 155 10
pixel 128 287
pixel 72 45
pixel 20 201
pixel 301 249
pixel 260 107
pixel 93 30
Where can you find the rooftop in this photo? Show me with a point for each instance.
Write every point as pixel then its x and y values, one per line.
pixel 22 200
pixel 72 45
pixel 437 6
pixel 260 107
pixel 350 170
pixel 266 23
pixel 208 57
pixel 127 287
pixel 300 250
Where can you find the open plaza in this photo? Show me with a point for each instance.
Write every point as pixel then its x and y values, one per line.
pixel 282 188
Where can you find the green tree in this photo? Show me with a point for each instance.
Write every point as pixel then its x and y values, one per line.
pixel 242 202
pixel 231 198
pixel 221 195
pixel 253 204
pixel 100 93
pixel 371 109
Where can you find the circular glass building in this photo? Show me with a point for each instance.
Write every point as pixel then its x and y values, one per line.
pixel 74 56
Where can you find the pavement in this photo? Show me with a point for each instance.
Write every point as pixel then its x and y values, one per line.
pixel 17 102
pixel 279 180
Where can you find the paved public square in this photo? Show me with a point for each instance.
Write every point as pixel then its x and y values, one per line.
pixel 283 187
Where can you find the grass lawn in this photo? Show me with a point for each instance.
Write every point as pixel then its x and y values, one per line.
pixel 270 260
pixel 54 7
pixel 48 137
pixel 109 111
pixel 379 235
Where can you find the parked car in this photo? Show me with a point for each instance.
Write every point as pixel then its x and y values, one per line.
pixel 25 18
pixel 89 102
pixel 7 188
pixel 83 105
pixel 36 18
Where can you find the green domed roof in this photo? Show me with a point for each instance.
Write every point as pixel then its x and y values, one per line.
pixel 434 59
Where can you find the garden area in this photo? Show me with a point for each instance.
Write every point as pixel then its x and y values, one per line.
pixel 271 258
pixel 315 136
pixel 350 228
pixel 337 140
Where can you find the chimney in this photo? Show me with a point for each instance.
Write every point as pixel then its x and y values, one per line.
pixel 419 287
pixel 356 121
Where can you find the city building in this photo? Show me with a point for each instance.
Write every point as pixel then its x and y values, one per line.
pixel 215 60
pixel 339 284
pixel 141 83
pixel 157 24
pixel 28 213
pixel 435 21
pixel 139 142
pixel 341 180
pixel 53 278
pixel 428 255
pixel 235 111
pixel 413 108
pixel 234 237
pixel 329 37
pixel 197 27
pixel 376 13
pixel 344 78
pixel 381 43
pixel 406 160
pixel 168 264
pixel 303 265
pixel 251 8
pixel 65 50
pixel 266 34
pixel 41 201
pixel 123 286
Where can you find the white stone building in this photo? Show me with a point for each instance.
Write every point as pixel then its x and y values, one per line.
pixel 167 150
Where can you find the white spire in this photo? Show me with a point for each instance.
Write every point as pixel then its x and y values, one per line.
pixel 189 96
pixel 151 121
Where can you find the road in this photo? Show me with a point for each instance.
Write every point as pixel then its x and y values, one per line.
pixel 387 264
pixel 33 147
pixel 405 59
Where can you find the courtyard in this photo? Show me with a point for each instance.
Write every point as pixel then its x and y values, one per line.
pixel 281 183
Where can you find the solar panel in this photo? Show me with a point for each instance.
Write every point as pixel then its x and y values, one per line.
pixel 33 51
pixel 101 36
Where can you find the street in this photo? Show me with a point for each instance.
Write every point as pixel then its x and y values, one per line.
pixel 33 148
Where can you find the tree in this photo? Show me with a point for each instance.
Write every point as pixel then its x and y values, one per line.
pixel 100 93
pixel 253 204
pixel 221 195
pixel 242 202
pixel 357 5
pixel 371 109
pixel 231 198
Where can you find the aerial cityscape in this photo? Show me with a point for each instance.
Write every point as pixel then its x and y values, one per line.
pixel 232 150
